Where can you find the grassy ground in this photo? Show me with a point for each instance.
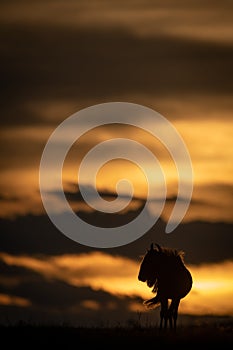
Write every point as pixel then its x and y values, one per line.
pixel 190 336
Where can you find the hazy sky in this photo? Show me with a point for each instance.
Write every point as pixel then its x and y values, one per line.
pixel 58 57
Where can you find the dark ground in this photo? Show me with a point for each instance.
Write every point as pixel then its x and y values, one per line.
pixel 190 336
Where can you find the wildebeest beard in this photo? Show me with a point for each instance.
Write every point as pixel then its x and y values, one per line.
pixel 152 282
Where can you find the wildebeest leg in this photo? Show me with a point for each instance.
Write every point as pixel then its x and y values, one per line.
pixel 163 313
pixel 173 313
pixel 170 314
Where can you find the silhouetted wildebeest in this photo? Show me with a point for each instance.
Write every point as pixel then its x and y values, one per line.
pixel 164 269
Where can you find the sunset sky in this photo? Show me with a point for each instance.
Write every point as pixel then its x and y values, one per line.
pixel 59 57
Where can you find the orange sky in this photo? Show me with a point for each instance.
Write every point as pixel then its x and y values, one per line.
pixel 211 292
pixel 59 57
pixel 209 144
pixel 202 113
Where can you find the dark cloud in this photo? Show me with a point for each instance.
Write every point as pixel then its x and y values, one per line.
pixel 53 301
pixel 202 241
pixel 75 195
pixel 51 63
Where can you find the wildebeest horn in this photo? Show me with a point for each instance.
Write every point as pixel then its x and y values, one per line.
pixel 152 246
pixel 158 246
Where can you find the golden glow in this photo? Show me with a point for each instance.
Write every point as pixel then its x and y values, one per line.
pixel 211 293
pixel 6 299
pixel 210 147
pixel 209 144
pixel 90 304
pixel 117 170
pixel 212 289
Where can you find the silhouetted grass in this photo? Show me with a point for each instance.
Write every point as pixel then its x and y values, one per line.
pixel 191 336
